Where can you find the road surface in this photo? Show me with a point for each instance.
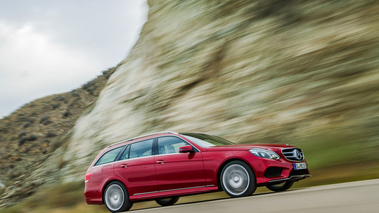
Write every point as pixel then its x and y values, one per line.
pixel 352 197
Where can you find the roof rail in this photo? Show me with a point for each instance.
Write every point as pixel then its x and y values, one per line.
pixel 141 136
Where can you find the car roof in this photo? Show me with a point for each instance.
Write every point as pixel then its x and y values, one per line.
pixel 142 136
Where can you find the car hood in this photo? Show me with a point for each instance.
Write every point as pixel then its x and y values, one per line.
pixel 245 147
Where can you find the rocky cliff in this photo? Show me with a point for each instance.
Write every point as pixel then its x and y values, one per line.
pixel 32 133
pixel 250 71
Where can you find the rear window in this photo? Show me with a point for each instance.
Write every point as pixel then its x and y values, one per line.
pixel 109 156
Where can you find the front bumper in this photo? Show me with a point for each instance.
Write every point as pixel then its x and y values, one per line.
pixel 268 171
pixel 291 178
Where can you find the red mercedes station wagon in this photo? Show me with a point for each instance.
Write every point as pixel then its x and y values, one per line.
pixel 164 166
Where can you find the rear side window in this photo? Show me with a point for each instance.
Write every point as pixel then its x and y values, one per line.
pixel 125 154
pixel 141 149
pixel 109 156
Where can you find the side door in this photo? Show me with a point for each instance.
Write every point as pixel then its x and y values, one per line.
pixel 176 170
pixel 136 168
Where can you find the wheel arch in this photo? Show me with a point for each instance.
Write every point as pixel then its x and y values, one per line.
pixel 224 164
pixel 107 184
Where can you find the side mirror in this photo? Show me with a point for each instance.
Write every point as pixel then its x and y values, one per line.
pixel 184 149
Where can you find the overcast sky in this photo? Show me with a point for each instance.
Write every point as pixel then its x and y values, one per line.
pixel 50 46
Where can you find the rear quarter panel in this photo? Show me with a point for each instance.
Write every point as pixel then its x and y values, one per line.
pixel 101 175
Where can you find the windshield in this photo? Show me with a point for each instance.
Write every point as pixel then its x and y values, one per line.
pixel 205 140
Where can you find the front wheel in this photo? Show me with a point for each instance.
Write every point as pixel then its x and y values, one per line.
pixel 237 179
pixel 116 197
pixel 280 187
pixel 167 201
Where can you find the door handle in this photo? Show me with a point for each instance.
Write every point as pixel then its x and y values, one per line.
pixel 124 165
pixel 161 161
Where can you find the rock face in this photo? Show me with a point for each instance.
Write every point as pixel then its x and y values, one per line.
pixel 32 133
pixel 249 71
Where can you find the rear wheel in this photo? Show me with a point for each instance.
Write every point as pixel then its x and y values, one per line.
pixel 237 179
pixel 116 197
pixel 281 186
pixel 167 201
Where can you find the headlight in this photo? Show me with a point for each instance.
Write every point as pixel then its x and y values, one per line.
pixel 264 153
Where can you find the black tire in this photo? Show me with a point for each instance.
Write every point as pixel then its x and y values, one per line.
pixel 116 197
pixel 167 201
pixel 280 187
pixel 237 179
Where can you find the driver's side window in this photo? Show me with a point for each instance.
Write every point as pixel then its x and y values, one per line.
pixel 170 144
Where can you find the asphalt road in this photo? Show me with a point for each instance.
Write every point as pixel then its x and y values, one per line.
pixel 352 197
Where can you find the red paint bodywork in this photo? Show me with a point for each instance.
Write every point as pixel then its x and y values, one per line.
pixel 181 173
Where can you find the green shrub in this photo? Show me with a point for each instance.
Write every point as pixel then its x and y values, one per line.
pixel 56 196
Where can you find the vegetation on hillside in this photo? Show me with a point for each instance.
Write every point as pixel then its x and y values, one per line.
pixel 35 130
pixel 265 71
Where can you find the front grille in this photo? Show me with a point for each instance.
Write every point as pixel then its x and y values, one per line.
pixel 293 154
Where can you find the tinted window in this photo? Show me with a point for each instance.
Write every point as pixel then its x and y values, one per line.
pixel 168 145
pixel 206 140
pixel 109 157
pixel 125 154
pixel 141 149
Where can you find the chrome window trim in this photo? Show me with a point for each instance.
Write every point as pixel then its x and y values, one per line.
pixel 137 158
pixel 149 156
pixel 153 142
pixel 141 136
